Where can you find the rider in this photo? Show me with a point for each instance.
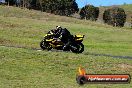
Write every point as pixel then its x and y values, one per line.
pixel 56 31
pixel 64 35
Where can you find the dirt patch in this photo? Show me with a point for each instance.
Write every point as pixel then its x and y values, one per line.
pixel 4 41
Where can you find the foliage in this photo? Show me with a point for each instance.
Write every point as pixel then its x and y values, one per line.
pixel 59 7
pixel 114 16
pixel 89 12
pixel 10 2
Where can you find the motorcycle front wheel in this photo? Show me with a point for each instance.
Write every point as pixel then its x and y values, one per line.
pixel 45 46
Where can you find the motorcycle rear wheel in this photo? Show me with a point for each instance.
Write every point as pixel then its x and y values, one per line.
pixel 79 48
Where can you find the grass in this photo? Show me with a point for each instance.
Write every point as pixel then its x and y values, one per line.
pixel 127 7
pixel 28 68
pixel 105 49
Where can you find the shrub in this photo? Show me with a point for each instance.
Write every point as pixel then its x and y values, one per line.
pixel 115 16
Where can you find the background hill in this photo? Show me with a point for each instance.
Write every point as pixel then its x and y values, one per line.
pixel 126 7
pixel 108 50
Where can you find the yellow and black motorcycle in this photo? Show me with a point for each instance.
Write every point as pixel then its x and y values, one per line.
pixel 49 42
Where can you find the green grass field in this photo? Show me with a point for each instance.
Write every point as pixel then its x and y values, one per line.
pixel 108 50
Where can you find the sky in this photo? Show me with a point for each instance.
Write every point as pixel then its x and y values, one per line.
pixel 82 3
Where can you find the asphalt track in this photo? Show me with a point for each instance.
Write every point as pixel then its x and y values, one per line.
pixel 86 53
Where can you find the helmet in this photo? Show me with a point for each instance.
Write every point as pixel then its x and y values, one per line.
pixel 58 27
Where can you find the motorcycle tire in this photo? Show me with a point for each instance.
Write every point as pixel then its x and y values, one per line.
pixel 45 46
pixel 79 48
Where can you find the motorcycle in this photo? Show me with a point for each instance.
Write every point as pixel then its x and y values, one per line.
pixel 49 42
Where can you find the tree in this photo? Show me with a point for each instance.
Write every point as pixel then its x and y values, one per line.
pixel 60 7
pixel 82 13
pixel 114 16
pixel 10 2
pixel 18 3
pixel 89 12
pixel 35 4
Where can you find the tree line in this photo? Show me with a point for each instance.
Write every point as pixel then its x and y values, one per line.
pixel 114 16
pixel 58 7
